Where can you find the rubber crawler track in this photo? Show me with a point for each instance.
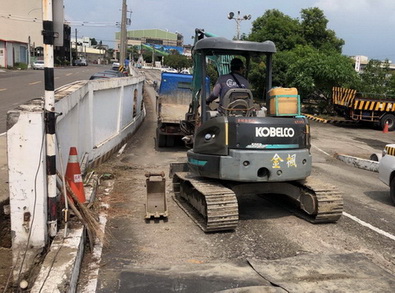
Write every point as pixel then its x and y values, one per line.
pixel 215 206
pixel 329 201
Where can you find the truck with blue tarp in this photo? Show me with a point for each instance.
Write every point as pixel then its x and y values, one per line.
pixel 173 99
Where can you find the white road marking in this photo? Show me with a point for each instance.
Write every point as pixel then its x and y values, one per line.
pixel 35 82
pixel 4 133
pixel 363 223
pixel 371 227
pixel 322 151
pixel 3 89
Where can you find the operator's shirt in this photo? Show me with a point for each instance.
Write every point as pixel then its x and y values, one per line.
pixel 225 83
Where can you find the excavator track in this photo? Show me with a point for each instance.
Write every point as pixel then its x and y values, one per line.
pixel 215 207
pixel 328 201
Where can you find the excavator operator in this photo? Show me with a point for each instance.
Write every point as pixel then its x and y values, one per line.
pixel 234 79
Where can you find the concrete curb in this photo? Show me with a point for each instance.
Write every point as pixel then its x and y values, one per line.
pixel 358 162
pixel 61 267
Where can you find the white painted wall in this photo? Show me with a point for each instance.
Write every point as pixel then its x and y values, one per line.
pixel 96 117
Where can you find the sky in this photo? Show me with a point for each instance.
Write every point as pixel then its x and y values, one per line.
pixel 366 26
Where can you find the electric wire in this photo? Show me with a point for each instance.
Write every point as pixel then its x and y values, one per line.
pixel 69 22
pixel 34 213
pixel 52 264
pixel 66 206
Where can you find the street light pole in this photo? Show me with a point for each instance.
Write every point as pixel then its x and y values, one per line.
pixel 123 37
pixel 238 19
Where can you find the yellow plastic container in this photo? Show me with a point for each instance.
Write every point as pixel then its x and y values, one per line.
pixel 284 102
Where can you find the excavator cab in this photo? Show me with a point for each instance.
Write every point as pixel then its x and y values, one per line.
pixel 219 52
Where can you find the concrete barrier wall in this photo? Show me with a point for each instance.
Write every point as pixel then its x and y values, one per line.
pixel 95 116
pixel 98 116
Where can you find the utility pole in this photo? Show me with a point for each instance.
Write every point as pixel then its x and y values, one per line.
pixel 29 65
pixel 76 46
pixel 49 114
pixel 122 41
pixel 153 56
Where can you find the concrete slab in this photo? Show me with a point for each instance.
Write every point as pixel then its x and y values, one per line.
pixel 194 278
pixel 352 272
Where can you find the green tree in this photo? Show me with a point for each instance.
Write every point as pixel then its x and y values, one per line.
pixel 315 73
pixel 177 61
pixel 315 32
pixel 93 41
pixel 376 79
pixel 274 25
pixel 308 55
pixel 134 51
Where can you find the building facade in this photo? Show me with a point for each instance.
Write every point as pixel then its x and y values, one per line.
pixel 152 36
pixel 21 38
pixel 20 30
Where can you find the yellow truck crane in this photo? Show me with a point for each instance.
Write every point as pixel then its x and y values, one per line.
pixel 353 106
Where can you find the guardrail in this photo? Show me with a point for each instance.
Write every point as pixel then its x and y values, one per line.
pixel 94 116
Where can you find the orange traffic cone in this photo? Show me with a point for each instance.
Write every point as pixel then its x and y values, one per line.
pixel 74 177
pixel 385 130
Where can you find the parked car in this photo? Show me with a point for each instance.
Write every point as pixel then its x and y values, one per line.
pixel 115 72
pixel 106 74
pixel 169 69
pixel 115 66
pixel 38 64
pixel 83 62
pixel 387 169
pixel 80 62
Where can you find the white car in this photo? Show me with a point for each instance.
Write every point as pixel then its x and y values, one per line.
pixel 115 66
pixel 83 62
pixel 387 169
pixel 38 64
pixel 169 69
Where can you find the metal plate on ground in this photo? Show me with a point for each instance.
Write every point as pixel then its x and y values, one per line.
pixel 325 273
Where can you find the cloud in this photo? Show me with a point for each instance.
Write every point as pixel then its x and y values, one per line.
pixel 365 25
pixel 362 8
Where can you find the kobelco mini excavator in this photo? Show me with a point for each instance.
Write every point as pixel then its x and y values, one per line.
pixel 243 150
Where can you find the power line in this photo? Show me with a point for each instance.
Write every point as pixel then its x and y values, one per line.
pixel 69 22
pixel 92 24
pixel 20 18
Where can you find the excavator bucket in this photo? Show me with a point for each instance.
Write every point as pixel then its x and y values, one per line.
pixel 156 205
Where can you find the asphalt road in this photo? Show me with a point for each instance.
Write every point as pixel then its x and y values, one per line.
pixel 19 86
pixel 270 245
